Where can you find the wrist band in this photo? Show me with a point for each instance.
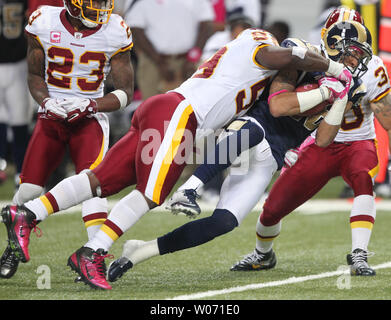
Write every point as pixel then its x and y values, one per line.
pixel 122 97
pixel 299 52
pixel 275 94
pixel 310 99
pixel 335 68
pixel 335 115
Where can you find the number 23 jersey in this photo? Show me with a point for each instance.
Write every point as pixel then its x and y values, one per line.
pixel 77 63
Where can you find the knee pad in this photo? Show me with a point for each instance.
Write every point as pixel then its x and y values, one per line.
pixel 362 184
pixel 26 192
pixel 224 221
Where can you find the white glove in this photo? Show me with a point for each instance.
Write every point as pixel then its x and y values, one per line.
pixel 53 109
pixel 291 157
pixel 79 108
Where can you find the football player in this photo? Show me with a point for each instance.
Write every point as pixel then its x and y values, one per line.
pixel 353 156
pixel 71 50
pixel 151 155
pixel 15 111
pixel 271 129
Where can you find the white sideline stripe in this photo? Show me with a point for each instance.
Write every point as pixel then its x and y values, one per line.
pixel 277 283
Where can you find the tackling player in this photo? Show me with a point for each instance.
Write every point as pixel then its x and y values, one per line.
pixel 353 156
pixel 270 133
pixel 152 154
pixel 71 50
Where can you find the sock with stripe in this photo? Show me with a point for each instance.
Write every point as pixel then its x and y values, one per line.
pixel 362 218
pixel 266 235
pixel 94 213
pixel 121 218
pixel 66 194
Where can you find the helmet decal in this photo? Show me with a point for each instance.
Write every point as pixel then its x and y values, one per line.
pixel 348 38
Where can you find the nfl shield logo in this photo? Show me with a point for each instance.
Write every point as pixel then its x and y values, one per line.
pixel 55 37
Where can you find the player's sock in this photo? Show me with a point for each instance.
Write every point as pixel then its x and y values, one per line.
pixel 143 252
pixel 362 218
pixel 197 232
pixel 121 218
pixel 94 213
pixel 68 193
pixel 266 235
pixel 192 183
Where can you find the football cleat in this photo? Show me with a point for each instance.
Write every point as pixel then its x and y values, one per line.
pixel 184 201
pixel 358 262
pixel 118 267
pixel 90 266
pixel 19 222
pixel 256 261
pixel 8 263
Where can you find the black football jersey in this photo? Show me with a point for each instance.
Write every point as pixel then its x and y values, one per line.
pixel 13 19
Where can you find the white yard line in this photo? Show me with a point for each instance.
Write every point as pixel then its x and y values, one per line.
pixel 255 286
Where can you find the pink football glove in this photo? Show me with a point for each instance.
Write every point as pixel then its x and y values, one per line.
pixel 336 88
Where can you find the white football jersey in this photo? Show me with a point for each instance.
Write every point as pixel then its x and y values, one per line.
pixel 358 123
pixel 227 84
pixel 77 63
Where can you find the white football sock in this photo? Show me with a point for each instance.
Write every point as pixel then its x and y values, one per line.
pixel 94 213
pixel 121 218
pixel 266 236
pixel 138 251
pixel 192 183
pixel 362 218
pixel 68 193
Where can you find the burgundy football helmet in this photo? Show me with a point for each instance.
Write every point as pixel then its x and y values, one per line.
pixel 341 14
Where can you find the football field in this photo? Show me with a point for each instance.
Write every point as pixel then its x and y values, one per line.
pixel 311 261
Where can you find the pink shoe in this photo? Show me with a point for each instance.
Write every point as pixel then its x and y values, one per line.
pixel 19 222
pixel 90 265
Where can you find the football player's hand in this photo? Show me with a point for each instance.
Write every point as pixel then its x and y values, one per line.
pixel 336 88
pixel 53 109
pixel 357 92
pixel 291 157
pixel 339 71
pixel 79 108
